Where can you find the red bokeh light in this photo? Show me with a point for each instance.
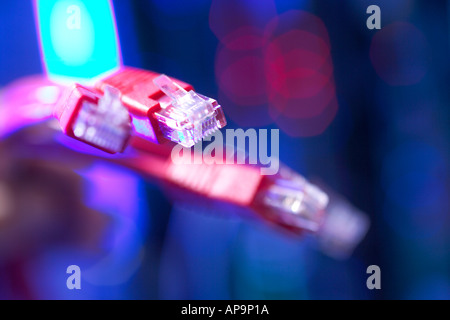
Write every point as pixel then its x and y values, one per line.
pixel 274 68
pixel 241 76
pixel 299 70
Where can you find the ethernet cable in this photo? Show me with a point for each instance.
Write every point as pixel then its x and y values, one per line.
pixel 156 107
pixel 103 117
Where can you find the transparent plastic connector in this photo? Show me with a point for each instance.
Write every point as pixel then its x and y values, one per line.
pixel 343 229
pixel 106 125
pixel 190 116
pixel 298 202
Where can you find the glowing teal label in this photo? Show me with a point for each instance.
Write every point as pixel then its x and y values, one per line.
pixel 78 38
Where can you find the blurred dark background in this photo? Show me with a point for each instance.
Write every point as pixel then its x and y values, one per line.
pixel 381 140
